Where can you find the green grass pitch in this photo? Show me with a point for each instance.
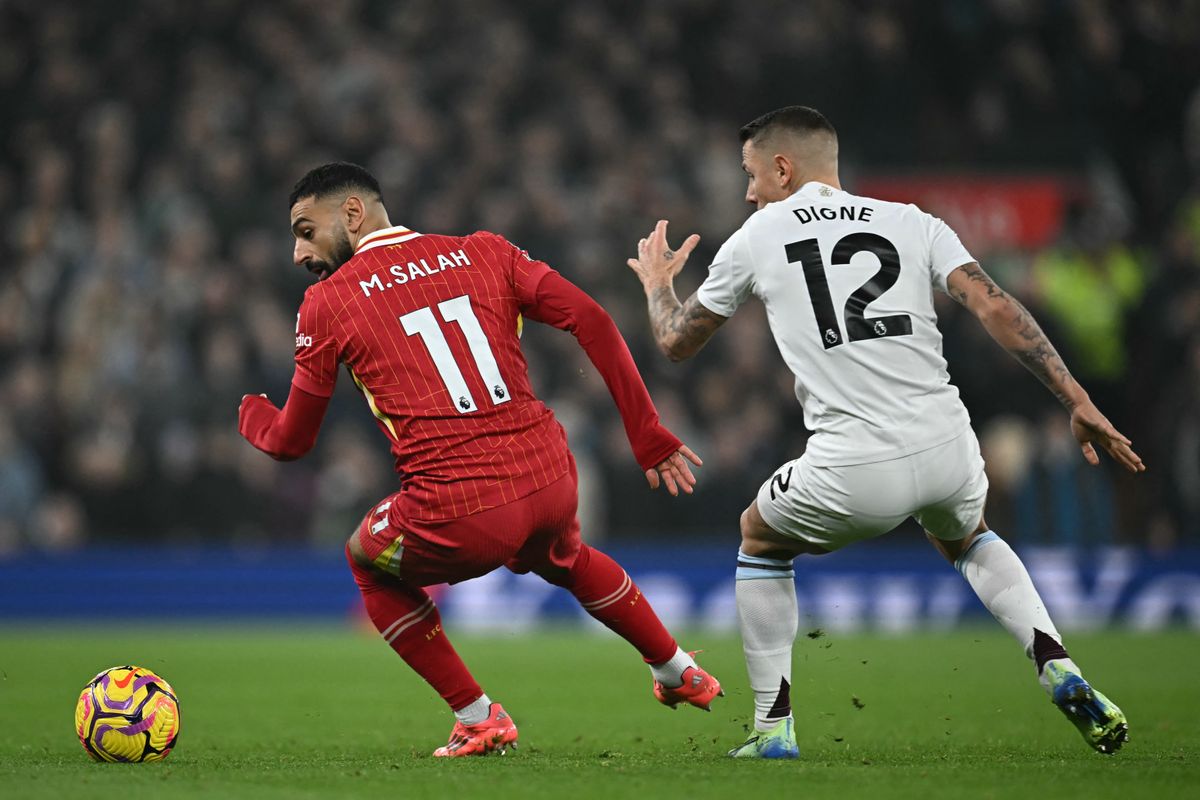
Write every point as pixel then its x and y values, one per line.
pixel 321 712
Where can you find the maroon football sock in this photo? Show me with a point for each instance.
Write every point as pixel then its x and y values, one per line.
pixel 607 593
pixel 409 621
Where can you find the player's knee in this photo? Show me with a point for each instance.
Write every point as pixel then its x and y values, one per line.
pixel 563 574
pixel 953 549
pixel 355 553
pixel 746 525
pixel 760 539
pixel 755 541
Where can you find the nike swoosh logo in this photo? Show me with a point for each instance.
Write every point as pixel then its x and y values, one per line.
pixel 123 682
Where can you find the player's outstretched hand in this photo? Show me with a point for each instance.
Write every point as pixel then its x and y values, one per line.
pixel 675 472
pixel 657 264
pixel 1091 427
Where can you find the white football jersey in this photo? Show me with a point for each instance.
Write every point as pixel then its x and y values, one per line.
pixel 848 284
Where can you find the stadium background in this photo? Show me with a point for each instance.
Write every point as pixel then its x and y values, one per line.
pixel 147 152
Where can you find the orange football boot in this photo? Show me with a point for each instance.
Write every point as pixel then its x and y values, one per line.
pixel 493 735
pixel 698 689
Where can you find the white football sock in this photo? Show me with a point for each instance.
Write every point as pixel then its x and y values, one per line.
pixel 1002 583
pixel 670 673
pixel 476 712
pixel 769 619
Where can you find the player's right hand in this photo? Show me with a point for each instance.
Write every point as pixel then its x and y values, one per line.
pixel 656 263
pixel 1091 427
pixel 675 472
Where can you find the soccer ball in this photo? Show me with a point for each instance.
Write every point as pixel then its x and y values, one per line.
pixel 127 714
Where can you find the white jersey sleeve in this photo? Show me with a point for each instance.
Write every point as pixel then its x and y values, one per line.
pixel 730 277
pixel 946 252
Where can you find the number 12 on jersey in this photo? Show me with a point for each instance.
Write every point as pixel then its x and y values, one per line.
pixel 422 323
pixel 858 325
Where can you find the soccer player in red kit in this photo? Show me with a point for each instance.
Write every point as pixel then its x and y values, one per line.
pixel 428 326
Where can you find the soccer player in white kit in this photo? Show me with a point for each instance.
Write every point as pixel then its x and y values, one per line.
pixel 848 287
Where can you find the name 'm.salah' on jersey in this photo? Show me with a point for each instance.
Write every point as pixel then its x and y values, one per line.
pixel 848 284
pixel 428 327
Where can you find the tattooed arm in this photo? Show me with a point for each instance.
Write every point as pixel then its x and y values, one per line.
pixel 680 329
pixel 1015 329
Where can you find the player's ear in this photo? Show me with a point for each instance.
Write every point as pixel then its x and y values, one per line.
pixel 783 170
pixel 353 212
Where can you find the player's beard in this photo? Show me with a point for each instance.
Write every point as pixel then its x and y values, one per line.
pixel 342 252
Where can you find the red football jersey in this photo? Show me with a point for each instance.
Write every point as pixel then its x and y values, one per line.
pixel 428 327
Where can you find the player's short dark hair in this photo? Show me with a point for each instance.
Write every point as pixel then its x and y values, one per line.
pixel 797 119
pixel 334 178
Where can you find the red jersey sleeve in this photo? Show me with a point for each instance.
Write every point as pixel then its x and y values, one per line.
pixel 283 434
pixel 525 272
pixel 316 348
pixel 558 302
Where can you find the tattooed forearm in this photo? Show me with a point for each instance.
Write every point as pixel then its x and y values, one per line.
pixel 1038 355
pixel 680 329
pixel 1015 329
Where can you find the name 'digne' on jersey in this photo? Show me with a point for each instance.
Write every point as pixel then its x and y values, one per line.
pixel 400 274
pixel 852 213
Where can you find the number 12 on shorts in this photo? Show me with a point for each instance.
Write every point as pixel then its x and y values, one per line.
pixel 422 323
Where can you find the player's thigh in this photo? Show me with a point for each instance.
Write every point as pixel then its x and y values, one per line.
pixel 830 507
pixel 425 553
pixel 554 538
pixel 954 489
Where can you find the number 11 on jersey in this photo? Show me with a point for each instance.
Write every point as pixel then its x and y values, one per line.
pixel 422 323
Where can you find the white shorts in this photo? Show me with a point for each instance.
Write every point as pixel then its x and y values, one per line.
pixel 943 488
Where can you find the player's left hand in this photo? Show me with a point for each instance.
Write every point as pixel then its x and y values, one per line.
pixel 675 472
pixel 1090 427
pixel 657 264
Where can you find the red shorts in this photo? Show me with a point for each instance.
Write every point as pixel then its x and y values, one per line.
pixel 538 533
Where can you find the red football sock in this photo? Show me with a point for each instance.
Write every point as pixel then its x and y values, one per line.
pixel 607 593
pixel 408 619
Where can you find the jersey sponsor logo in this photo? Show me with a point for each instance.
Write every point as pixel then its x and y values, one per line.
pixel 400 274
pixel 301 339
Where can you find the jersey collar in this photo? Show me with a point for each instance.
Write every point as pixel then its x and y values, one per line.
pixel 818 190
pixel 385 236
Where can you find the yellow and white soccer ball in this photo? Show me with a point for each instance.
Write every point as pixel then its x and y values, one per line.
pixel 127 714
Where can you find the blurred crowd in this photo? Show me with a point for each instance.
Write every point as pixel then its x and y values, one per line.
pixel 147 150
